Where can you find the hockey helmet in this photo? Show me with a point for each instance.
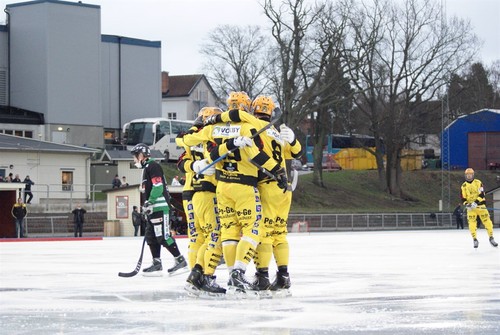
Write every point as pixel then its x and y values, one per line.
pixel 205 112
pixel 238 100
pixel 263 105
pixel 141 148
pixel 469 174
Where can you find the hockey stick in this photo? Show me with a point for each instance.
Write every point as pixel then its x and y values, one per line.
pixel 138 266
pixel 295 178
pixel 269 174
pixel 139 263
pixel 277 113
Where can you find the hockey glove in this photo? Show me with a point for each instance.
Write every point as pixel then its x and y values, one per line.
pixel 286 134
pixel 147 207
pixel 281 179
pixel 242 141
pixel 201 165
pixel 213 119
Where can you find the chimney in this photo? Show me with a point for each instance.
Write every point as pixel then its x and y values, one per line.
pixel 165 82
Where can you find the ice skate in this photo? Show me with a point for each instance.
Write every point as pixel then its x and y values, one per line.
pixel 179 267
pixel 210 288
pixel 281 285
pixel 194 282
pixel 155 270
pixel 239 286
pixel 492 242
pixel 476 243
pixel 262 284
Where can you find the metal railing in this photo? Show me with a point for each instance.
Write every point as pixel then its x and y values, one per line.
pixel 58 226
pixel 67 194
pixel 372 221
pixel 62 225
pixel 50 225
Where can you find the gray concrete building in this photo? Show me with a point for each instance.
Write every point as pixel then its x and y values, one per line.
pixel 62 81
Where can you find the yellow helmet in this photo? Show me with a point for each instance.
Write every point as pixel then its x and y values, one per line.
pixel 238 100
pixel 263 105
pixel 469 174
pixel 205 112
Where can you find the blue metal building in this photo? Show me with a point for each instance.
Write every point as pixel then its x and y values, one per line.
pixel 472 141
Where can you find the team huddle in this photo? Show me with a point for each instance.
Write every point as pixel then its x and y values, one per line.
pixel 236 198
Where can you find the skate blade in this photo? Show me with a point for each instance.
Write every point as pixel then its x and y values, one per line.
pixel 265 294
pixel 282 293
pixel 192 290
pixel 153 274
pixel 237 293
pixel 179 272
pixel 212 295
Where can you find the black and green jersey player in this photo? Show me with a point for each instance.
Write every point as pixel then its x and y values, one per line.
pixel 157 206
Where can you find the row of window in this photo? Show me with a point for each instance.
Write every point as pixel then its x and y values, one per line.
pixel 20 133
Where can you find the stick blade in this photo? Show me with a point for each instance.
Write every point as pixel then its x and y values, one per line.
pixel 128 274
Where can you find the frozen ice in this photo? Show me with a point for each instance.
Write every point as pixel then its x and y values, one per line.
pixel 383 282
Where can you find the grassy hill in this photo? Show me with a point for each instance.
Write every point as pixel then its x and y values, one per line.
pixel 351 191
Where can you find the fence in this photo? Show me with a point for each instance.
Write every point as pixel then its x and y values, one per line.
pixel 68 194
pixel 63 226
pixel 38 226
pixel 371 221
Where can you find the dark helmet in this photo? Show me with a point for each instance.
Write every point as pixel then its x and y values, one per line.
pixel 141 147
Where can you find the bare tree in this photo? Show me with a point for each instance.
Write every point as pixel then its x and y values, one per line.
pixel 405 51
pixel 236 59
pixel 308 73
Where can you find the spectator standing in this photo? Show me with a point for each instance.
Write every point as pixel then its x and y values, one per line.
pixel 19 212
pixel 116 183
pixel 27 190
pixel 458 213
pixel 78 219
pixel 17 180
pixel 136 219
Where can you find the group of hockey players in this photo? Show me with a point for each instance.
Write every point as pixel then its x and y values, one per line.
pixel 236 198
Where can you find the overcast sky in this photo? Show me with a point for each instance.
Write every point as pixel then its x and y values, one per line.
pixel 181 25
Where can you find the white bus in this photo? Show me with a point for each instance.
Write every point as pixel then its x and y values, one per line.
pixel 158 133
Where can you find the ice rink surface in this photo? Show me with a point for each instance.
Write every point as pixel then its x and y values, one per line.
pixel 390 282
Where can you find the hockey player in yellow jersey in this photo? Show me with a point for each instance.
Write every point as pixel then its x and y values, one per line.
pixel 474 199
pixel 237 194
pixel 275 204
pixel 205 249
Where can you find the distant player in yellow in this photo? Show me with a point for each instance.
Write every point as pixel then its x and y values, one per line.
pixel 474 199
pixel 237 194
pixel 204 236
pixel 275 203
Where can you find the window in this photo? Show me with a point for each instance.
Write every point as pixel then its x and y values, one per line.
pixel 121 205
pixel 172 116
pixel 67 180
